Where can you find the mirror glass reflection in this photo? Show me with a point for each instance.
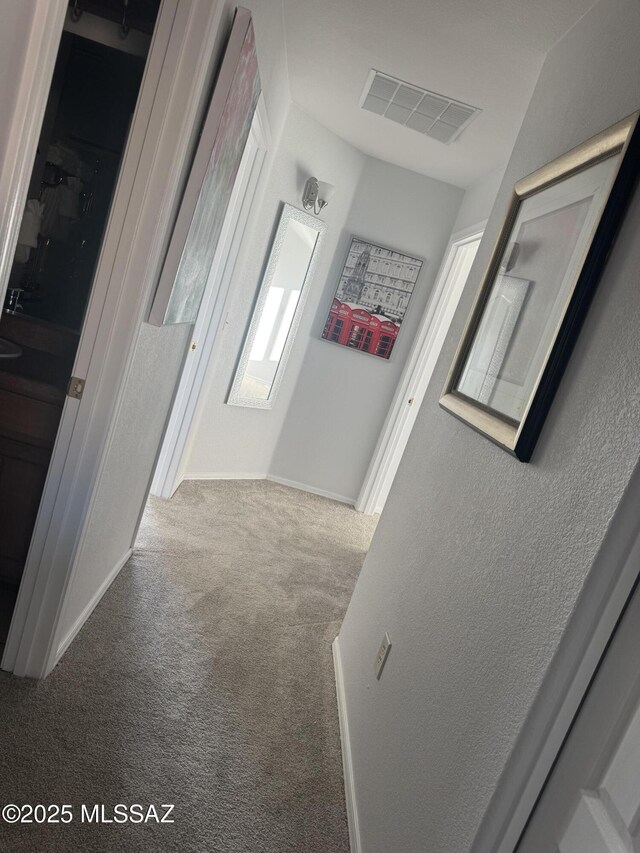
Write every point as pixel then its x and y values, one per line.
pixel 537 274
pixel 277 310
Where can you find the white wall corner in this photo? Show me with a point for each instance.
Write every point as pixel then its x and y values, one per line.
pixel 305 487
pixel 223 475
pixel 347 764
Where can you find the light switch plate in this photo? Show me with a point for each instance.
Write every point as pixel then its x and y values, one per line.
pixel 383 654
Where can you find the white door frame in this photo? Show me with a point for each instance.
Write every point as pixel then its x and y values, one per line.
pixel 417 373
pixel 592 795
pixel 171 101
pixel 602 600
pixel 168 473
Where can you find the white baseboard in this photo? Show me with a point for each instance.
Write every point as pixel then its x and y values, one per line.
pixel 347 764
pixel 91 606
pixel 303 487
pixel 207 475
pixel 175 488
pixel 293 484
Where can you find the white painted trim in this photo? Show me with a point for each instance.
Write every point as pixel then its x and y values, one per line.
pixel 305 487
pixel 415 378
pixel 599 607
pixel 293 484
pixel 196 475
pixel 347 761
pixel 32 93
pixel 210 322
pixel 176 78
pixel 91 606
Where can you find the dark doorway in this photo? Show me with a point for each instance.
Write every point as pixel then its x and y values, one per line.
pixel 89 110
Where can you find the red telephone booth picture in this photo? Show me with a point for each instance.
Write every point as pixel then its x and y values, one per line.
pixel 371 298
pixel 353 327
pixel 338 323
pixel 387 338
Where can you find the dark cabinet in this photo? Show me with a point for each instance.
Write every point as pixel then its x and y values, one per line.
pixel 23 469
pixel 32 394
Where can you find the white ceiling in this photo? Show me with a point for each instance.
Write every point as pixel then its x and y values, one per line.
pixel 486 53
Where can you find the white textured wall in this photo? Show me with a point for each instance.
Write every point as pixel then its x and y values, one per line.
pixel 236 441
pixel 478 201
pixel 123 486
pixel 342 396
pixel 478 560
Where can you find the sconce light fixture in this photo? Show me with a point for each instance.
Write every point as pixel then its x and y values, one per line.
pixel 316 195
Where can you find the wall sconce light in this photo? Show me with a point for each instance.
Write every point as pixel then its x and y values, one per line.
pixel 316 195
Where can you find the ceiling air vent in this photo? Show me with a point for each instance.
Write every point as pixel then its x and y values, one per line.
pixel 434 115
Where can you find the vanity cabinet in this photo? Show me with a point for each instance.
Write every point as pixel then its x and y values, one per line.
pixel 32 394
pixel 23 469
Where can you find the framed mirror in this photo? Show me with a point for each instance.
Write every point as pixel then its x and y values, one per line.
pixel 278 310
pixel 554 242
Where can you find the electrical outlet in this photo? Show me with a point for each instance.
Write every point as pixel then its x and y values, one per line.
pixel 383 654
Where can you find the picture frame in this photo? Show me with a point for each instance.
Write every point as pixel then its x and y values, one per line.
pixel 208 190
pixel 371 298
pixel 554 241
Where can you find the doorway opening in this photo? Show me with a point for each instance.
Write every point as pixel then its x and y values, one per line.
pixel 417 374
pixel 93 94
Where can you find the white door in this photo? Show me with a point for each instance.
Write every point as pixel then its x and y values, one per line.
pixel 591 803
pixel 419 369
pixel 169 467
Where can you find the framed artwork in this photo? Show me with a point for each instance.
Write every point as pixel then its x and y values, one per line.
pixel 372 297
pixel 210 184
pixel 552 247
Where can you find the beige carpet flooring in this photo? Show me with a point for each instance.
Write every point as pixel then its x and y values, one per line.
pixel 204 679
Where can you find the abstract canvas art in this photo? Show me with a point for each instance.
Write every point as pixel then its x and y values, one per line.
pixel 372 297
pixel 210 185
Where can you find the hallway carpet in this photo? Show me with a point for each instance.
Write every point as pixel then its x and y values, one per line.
pixel 204 679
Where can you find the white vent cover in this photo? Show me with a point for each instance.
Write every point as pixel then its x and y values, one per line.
pixel 434 115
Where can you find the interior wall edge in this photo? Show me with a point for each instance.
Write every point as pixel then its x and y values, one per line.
pixel 345 748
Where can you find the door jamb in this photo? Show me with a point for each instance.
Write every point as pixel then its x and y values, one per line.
pixel 415 378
